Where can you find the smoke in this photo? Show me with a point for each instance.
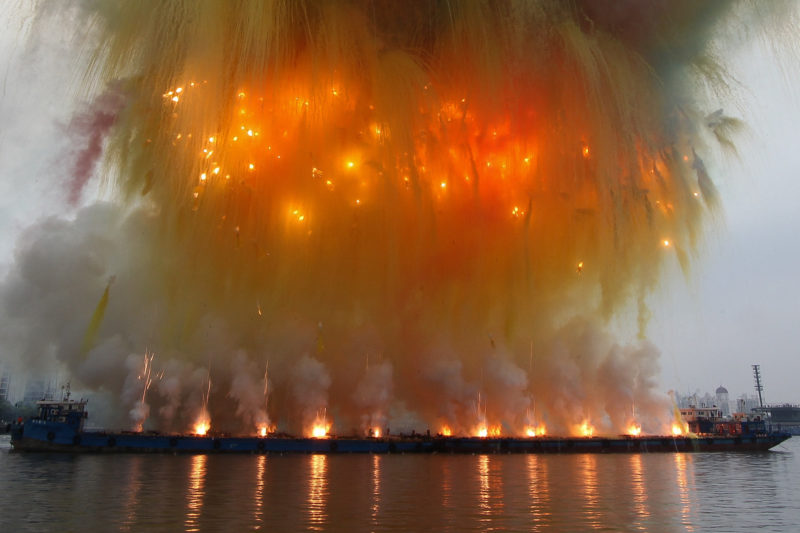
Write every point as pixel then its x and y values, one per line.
pixel 310 383
pixel 373 395
pixel 88 129
pixel 473 190
pixel 249 392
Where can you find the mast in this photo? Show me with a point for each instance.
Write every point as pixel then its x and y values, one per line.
pixel 759 386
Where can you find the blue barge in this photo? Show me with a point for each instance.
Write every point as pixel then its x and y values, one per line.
pixel 58 427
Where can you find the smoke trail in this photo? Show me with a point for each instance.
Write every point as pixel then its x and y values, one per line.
pixel 417 177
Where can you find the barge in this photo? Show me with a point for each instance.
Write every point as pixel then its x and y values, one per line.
pixel 58 427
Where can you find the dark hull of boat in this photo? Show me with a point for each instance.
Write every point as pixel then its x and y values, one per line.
pixel 49 440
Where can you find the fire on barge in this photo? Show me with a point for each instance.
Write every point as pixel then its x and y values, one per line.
pixel 58 427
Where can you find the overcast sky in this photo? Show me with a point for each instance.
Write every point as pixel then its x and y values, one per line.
pixel 741 305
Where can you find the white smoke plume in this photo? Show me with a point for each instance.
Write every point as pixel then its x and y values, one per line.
pixel 249 391
pixel 373 396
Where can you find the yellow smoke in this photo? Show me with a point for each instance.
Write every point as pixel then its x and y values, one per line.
pixel 90 336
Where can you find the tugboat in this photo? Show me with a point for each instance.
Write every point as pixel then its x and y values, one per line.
pixel 58 427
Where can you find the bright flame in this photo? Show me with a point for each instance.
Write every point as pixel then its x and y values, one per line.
pixel 446 431
pixel 202 427
pixel 535 431
pixel 677 430
pixel 634 429
pixel 321 426
pixel 262 431
pixel 483 432
pixel 376 432
pixel 586 429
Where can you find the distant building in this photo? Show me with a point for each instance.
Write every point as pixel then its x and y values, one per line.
pixel 723 402
pixel 5 385
pixel 746 404
pixel 39 389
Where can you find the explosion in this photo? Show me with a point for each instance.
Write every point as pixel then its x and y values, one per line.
pixel 308 183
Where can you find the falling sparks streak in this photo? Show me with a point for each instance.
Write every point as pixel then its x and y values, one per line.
pixel 203 423
pixel 260 157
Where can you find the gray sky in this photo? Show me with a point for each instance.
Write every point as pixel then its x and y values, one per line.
pixel 740 306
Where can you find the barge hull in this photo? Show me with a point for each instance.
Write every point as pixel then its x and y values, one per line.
pixel 89 442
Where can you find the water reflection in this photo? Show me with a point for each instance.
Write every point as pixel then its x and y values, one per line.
pixel 681 469
pixel 484 509
pixel 447 486
pixel 134 481
pixel 640 504
pixel 587 465
pixel 318 492
pixel 538 491
pixel 195 492
pixel 490 490
pixel 376 488
pixel 258 496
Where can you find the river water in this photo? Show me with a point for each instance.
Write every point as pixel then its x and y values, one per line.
pixel 645 492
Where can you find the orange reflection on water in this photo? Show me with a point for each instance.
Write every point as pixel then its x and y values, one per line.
pixel 490 490
pixel 640 508
pixel 484 509
pixel 196 492
pixel 318 492
pixel 682 473
pixel 587 466
pixel 447 485
pixel 376 489
pixel 258 496
pixel 134 484
pixel 538 491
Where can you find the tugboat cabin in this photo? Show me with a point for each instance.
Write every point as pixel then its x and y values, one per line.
pixel 65 411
